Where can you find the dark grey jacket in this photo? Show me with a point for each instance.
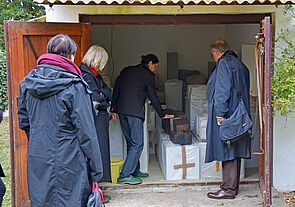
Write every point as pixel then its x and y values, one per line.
pixel 97 86
pixel 132 86
pixel 54 108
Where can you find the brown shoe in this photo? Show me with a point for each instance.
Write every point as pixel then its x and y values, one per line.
pixel 220 194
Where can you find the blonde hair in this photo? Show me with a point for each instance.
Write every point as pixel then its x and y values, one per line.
pixel 96 57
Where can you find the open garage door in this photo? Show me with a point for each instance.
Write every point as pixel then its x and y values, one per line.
pixel 263 66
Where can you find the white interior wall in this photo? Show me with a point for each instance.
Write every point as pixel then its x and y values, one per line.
pixel 237 35
pixel 126 44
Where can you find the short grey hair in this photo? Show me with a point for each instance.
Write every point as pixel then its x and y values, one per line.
pixel 62 44
pixel 96 57
pixel 220 45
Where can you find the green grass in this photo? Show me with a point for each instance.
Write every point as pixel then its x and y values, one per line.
pixel 5 159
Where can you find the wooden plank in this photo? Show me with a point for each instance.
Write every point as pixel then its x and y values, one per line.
pixel 9 78
pixel 268 113
pixel 154 19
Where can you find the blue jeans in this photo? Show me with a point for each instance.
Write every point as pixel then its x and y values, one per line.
pixel 132 128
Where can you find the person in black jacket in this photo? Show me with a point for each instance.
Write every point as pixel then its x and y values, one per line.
pixel 2 185
pixel 93 62
pixel 132 87
pixel 55 111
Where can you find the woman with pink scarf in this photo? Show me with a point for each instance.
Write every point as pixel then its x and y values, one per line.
pixel 55 111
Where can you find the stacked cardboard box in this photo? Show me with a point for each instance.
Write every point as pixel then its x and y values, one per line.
pixel 213 170
pixel 177 161
pixel 196 102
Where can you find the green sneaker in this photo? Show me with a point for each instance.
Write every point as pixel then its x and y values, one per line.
pixel 129 180
pixel 141 175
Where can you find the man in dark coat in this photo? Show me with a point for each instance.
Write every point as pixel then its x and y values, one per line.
pixel 132 86
pixel 55 110
pixel 222 102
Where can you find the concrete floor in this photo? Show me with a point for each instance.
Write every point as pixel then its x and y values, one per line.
pixel 156 192
pixel 157 177
pixel 187 196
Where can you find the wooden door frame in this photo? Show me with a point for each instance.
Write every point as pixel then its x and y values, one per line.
pixel 194 19
pixel 179 19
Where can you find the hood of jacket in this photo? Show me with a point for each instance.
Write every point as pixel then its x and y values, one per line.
pixel 48 80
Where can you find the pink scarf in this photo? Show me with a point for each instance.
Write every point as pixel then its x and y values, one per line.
pixel 59 61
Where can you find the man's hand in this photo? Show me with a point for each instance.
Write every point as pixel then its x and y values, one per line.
pixel 219 120
pixel 168 116
pixel 113 116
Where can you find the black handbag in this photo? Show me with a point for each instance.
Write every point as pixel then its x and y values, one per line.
pixel 239 123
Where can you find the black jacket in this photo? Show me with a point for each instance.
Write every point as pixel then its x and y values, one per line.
pixel 132 86
pixel 1 172
pixel 55 110
pixel 97 86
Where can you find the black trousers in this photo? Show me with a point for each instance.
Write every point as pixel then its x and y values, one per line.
pixel 102 129
pixel 231 176
pixel 2 191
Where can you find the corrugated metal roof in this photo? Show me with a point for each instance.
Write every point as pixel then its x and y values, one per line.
pixel 164 1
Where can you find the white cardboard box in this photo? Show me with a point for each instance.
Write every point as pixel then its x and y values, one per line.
pixel 177 161
pixel 116 139
pixel 200 126
pixel 196 91
pixel 180 161
pixel 194 108
pixel 160 136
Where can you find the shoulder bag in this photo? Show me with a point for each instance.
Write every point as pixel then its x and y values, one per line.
pixel 239 123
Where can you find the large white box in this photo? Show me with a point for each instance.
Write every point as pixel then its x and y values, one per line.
pixel 213 170
pixel 195 108
pixel 160 136
pixel 196 91
pixel 178 161
pixel 158 119
pixel 200 126
pixel 116 139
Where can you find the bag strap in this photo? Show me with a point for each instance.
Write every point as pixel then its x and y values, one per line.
pixel 95 185
pixel 235 78
pixel 236 85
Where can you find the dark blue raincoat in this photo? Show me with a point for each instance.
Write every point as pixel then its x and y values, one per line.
pixel 54 109
pixel 222 102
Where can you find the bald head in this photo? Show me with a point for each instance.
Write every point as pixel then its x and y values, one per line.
pixel 218 48
pixel 220 45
